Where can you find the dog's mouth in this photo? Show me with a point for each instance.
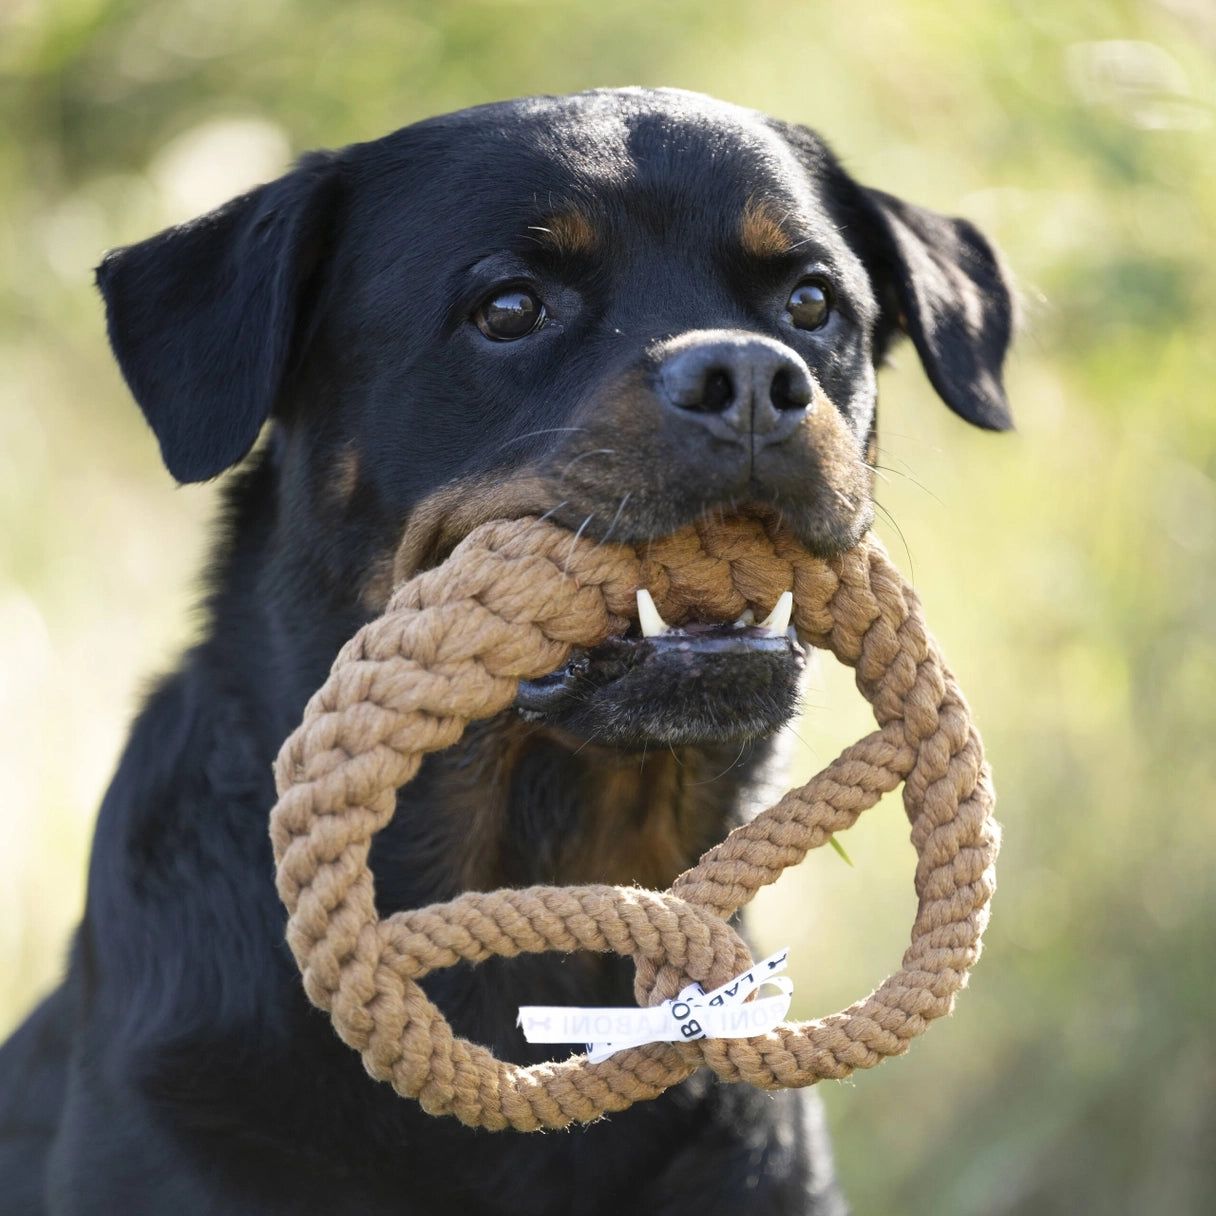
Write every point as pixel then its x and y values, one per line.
pixel 701 682
pixel 695 683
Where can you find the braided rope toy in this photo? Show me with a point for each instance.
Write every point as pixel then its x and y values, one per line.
pixel 509 604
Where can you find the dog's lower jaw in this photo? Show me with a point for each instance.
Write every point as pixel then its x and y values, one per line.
pixel 691 687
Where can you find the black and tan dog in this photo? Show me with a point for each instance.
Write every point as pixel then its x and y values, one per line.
pixel 622 309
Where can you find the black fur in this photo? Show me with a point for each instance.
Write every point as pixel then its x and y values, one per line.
pixel 180 1068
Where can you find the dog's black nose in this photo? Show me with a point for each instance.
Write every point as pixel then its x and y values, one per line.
pixel 738 386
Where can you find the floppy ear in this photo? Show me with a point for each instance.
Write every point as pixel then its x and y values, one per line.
pixel 204 318
pixel 954 303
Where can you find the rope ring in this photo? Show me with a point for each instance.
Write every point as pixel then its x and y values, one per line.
pixel 508 605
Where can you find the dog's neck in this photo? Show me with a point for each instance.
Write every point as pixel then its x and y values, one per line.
pixel 514 805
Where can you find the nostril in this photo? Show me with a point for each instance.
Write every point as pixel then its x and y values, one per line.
pixel 788 392
pixel 719 391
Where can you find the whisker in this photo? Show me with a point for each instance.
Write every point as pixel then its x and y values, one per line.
pixel 552 430
pixel 816 753
pixel 540 519
pixel 615 519
pixel 907 474
pixel 727 769
pixel 583 456
pixel 574 542
pixel 902 538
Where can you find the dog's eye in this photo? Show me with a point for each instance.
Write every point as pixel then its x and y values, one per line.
pixel 810 304
pixel 511 314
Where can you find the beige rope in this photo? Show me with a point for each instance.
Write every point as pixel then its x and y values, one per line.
pixel 508 605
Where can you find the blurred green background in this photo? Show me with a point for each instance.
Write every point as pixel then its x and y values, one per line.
pixel 1069 569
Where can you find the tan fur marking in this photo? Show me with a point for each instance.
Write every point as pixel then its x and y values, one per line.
pixel 761 233
pixel 441 520
pixel 377 584
pixel 345 476
pixel 640 822
pixel 635 834
pixel 568 232
pixel 447 516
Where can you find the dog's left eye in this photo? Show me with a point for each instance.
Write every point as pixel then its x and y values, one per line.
pixel 511 314
pixel 810 304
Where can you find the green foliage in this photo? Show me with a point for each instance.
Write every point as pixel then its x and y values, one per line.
pixel 1070 569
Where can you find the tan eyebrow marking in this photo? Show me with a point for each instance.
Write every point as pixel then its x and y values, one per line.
pixel 761 233
pixel 568 232
pixel 345 475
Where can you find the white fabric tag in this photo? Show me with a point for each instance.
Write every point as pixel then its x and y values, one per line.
pixel 694 1014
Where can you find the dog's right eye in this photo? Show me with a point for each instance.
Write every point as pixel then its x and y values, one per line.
pixel 511 314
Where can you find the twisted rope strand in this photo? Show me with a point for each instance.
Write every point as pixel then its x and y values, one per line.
pixel 509 604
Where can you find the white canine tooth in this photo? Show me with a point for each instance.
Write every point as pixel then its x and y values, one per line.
pixel 778 621
pixel 746 617
pixel 648 615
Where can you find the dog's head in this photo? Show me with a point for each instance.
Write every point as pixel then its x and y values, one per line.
pixel 621 309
